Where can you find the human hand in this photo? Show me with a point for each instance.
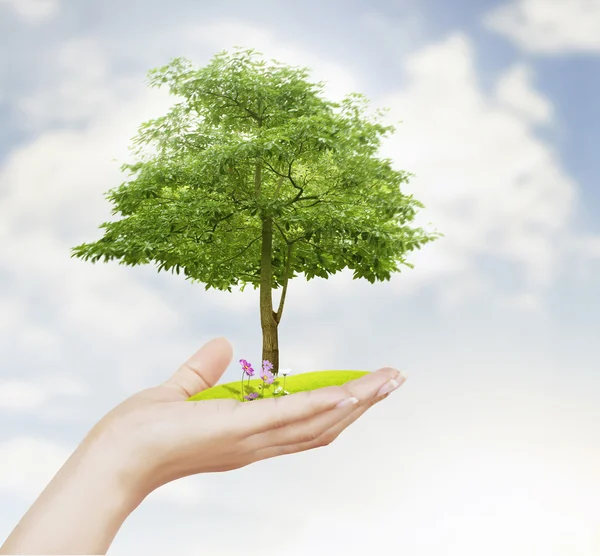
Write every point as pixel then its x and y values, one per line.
pixel 156 436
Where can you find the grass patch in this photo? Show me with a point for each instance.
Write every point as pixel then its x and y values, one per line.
pixel 293 383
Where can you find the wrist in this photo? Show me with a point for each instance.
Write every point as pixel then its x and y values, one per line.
pixel 104 454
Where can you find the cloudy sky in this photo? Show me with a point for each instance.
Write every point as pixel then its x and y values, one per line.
pixel 493 444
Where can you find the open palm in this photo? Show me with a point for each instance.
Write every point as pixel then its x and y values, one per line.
pixel 159 436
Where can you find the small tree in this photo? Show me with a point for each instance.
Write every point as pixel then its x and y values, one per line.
pixel 252 177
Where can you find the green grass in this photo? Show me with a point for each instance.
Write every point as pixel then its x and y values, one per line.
pixel 293 383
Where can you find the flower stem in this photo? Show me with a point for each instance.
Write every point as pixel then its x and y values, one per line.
pixel 242 385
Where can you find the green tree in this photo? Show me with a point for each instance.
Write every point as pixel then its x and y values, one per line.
pixel 252 177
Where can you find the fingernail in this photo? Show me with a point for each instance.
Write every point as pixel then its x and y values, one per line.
pixel 389 386
pixel 347 402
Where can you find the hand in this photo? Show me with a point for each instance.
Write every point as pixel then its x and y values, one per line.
pixel 157 436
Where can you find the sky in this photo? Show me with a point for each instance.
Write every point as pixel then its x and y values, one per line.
pixel 492 446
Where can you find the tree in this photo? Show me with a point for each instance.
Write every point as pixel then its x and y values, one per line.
pixel 253 176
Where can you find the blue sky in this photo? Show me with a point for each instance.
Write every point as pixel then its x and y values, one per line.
pixel 491 447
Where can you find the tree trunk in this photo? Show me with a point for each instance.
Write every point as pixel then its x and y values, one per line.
pixel 269 324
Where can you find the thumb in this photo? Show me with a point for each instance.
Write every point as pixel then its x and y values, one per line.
pixel 203 369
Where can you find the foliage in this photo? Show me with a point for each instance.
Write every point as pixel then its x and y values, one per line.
pixel 250 140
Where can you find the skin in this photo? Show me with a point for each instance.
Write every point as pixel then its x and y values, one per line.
pixel 156 437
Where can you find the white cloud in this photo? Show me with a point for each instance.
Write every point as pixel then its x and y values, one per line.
pixel 24 395
pixel 80 88
pixel 57 182
pixel 27 464
pixel 549 26
pixel 494 188
pixel 33 11
pixel 515 90
pixel 20 395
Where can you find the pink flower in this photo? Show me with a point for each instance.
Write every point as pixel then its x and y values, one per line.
pixel 267 376
pixel 247 367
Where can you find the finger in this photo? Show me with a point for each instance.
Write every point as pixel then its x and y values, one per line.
pixel 311 425
pixel 276 413
pixel 203 369
pixel 324 439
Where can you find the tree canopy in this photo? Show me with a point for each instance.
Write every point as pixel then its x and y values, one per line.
pixel 250 141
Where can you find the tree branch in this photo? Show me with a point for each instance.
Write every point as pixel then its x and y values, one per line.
pixel 291 202
pixel 281 231
pixel 221 263
pixel 236 102
pixel 300 189
pixel 214 229
pixel 273 170
pixel 289 177
pixel 286 278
